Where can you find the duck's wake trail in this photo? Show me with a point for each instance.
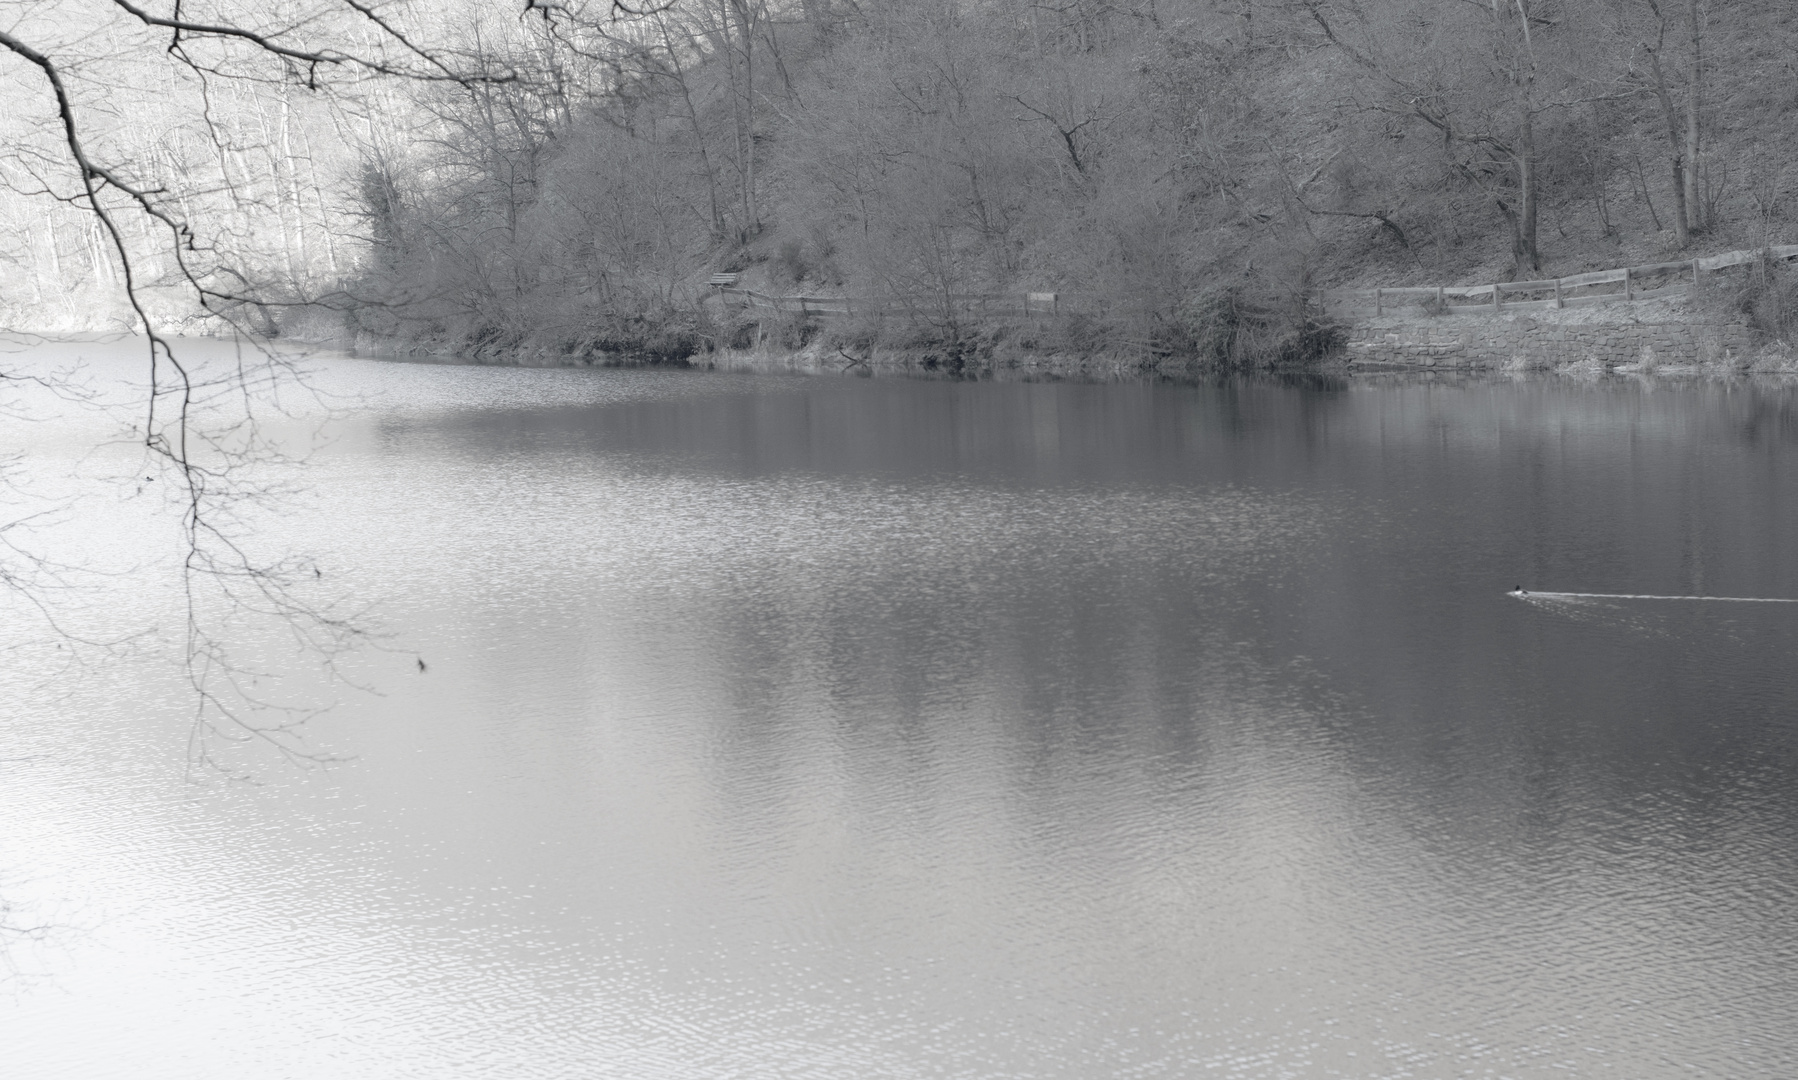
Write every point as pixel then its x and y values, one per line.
pixel 1531 594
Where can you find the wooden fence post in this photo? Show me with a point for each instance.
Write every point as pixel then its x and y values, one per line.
pixel 1629 292
pixel 1694 272
pixel 1441 304
pixel 1558 293
pixel 1379 302
pixel 1495 294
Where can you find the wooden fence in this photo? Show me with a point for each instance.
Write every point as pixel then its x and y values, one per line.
pixel 1601 287
pixel 1032 305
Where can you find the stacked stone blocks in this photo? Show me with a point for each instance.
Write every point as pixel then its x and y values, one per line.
pixel 1523 342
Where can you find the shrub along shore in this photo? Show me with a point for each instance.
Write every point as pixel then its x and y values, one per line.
pixel 993 348
pixel 1741 320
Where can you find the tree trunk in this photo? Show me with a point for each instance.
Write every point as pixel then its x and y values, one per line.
pixel 743 106
pixel 753 220
pixel 679 75
pixel 1523 153
pixel 1694 100
pixel 1523 220
pixel 728 32
pixel 1520 248
pixel 1681 229
pixel 1529 258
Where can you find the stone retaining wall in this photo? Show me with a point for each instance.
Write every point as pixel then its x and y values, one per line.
pixel 1522 342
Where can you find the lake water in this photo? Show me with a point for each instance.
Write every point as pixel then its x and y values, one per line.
pixel 784 727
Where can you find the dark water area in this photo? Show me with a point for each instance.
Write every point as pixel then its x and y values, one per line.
pixel 849 727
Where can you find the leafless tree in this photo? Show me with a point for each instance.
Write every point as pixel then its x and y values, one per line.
pixel 202 430
pixel 1483 78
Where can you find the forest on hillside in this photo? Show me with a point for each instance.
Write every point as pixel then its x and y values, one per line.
pixel 1204 166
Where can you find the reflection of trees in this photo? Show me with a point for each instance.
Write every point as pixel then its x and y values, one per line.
pixel 1048 551
pixel 166 226
pixel 23 929
pixel 16 926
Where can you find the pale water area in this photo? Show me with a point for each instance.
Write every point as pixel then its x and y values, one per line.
pixel 850 728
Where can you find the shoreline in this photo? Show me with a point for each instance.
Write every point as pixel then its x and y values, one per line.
pixel 1365 356
pixel 1774 360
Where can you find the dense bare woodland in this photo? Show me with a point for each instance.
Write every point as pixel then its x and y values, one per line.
pixel 1202 168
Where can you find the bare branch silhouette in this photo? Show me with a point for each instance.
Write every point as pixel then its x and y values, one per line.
pixel 211 461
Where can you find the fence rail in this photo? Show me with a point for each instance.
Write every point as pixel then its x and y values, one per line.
pixel 1020 305
pixel 1629 283
pixel 1646 282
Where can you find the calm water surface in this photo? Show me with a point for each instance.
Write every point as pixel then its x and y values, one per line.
pixel 858 728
